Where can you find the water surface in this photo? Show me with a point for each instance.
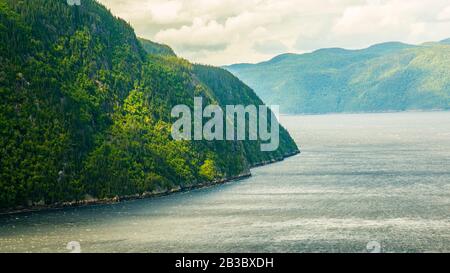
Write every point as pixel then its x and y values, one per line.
pixel 360 178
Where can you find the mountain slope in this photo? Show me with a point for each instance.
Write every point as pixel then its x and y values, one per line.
pixel 384 77
pixel 228 90
pixel 155 48
pixel 85 110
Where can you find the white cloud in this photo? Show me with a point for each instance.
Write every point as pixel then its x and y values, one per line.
pixel 411 21
pixel 229 31
pixel 270 47
pixel 444 15
pixel 201 34
pixel 165 12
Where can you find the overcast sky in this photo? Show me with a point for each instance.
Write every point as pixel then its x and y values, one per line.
pixel 222 32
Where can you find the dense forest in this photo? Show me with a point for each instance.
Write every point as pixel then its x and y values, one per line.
pixel 85 109
pixel 384 77
pixel 155 48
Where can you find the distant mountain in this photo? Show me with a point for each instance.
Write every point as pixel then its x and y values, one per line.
pixel 384 77
pixel 446 41
pixel 85 110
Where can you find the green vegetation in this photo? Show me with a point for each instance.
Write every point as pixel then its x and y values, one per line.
pixel 384 77
pixel 155 48
pixel 85 109
pixel 229 90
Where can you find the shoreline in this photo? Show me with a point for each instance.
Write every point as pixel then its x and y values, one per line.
pixel 368 112
pixel 147 195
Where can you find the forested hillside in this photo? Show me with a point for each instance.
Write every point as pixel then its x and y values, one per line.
pixel 85 109
pixel 384 77
pixel 156 49
pixel 229 90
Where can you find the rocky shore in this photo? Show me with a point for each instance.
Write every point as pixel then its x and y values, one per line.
pixel 153 194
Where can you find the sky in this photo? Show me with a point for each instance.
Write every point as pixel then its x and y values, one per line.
pixel 221 32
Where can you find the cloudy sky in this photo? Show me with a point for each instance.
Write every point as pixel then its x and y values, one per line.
pixel 222 32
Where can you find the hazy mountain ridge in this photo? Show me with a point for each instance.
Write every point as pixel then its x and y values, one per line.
pixel 384 77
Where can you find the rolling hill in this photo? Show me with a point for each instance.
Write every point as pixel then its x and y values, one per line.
pixel 385 77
